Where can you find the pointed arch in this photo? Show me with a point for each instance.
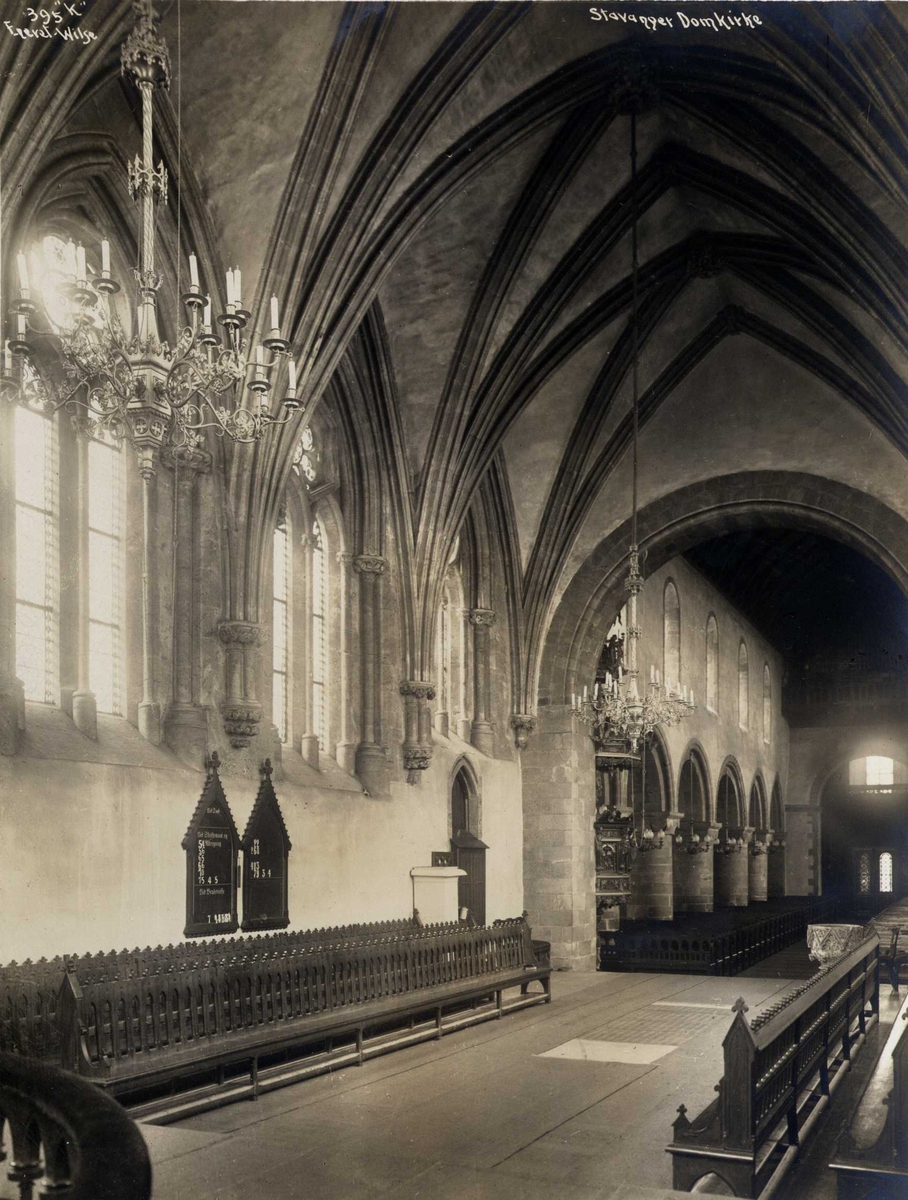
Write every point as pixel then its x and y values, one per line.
pixel 757 815
pixel 465 779
pixel 730 795
pixel 694 789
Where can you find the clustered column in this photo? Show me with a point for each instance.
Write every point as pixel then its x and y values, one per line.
pixel 12 704
pixel 417 747
pixel 482 734
pixel 371 763
pixel 186 726
pixel 242 711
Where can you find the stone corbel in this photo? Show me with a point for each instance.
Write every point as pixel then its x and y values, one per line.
pixel 417 747
pixel 241 711
pixel 523 725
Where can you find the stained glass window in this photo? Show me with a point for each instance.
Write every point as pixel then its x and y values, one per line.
pixel 36 468
pixel 305 456
pixel 864 873
pixel 671 643
pixel 886 872
pixel 319 639
pixel 104 564
pixel 279 637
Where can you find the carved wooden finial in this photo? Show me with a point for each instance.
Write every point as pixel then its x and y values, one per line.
pixel 739 1006
pixel 267 768
pixel 214 760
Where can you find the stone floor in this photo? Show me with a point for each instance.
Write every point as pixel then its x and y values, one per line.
pixel 570 1101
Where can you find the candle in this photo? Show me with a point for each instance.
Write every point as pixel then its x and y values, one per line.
pixel 275 321
pixel 291 366
pixel 237 287
pixel 586 692
pixel 652 673
pixel 193 271
pixel 206 318
pixel 81 272
pixel 20 326
pixel 230 294
pixel 71 257
pixel 23 271
pixel 691 695
pixel 105 256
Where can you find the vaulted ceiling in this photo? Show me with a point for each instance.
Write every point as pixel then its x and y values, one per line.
pixel 443 190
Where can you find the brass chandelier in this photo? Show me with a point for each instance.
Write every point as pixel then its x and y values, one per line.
pixel 137 386
pixel 619 718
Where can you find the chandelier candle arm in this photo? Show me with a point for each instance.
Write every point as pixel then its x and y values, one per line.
pixel 139 387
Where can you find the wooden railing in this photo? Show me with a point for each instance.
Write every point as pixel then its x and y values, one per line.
pixel 871 1159
pixel 721 952
pixel 780 1071
pixel 132 1031
pixel 29 991
pixel 65 1133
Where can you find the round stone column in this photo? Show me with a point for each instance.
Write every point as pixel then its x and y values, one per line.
pixel 693 867
pixel 776 870
pixel 731 871
pixel 651 895
pixel 757 868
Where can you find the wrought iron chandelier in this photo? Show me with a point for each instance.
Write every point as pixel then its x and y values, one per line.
pixel 619 718
pixel 137 386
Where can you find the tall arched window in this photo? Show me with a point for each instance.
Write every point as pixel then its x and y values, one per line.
pixel 885 871
pixel 757 814
pixel 319 635
pixel 692 790
pixel 443 671
pixel 767 704
pixel 776 819
pixel 280 630
pixel 864 873
pixel 671 636
pixel 712 664
pixel 37 555
pixel 104 567
pixel 728 801
pixel 742 685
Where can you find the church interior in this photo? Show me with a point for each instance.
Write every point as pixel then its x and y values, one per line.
pixel 454 580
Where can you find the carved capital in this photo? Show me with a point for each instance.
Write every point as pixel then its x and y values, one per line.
pixel 482 617
pixel 416 759
pixel 370 564
pixel 239 633
pixel 241 723
pixel 418 688
pixel 523 725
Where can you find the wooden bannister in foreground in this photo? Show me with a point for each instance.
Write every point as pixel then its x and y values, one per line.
pixel 780 1071
pixel 68 1135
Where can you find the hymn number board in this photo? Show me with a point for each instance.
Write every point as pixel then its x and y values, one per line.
pixel 212 846
pixel 266 848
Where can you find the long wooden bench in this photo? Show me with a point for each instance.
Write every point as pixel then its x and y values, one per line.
pixel 871 1158
pixel 234 1026
pixel 780 1071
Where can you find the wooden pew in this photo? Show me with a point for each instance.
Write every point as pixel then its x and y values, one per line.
pixel 232 1028
pixel 780 1071
pixel 872 1156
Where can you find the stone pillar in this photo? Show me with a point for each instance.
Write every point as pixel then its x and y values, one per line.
pixel 652 888
pixel 482 735
pixel 186 725
pixel 693 866
pixel 12 703
pixel 559 805
pixel 149 707
pixel 371 763
pixel 241 711
pixel 775 882
pixel 731 870
pixel 757 868
pixel 417 747
pixel 345 750
pixel 84 705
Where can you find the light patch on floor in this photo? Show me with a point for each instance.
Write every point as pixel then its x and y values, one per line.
pixel 636 1053
pixel 689 1004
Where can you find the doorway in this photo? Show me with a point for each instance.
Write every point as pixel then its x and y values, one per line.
pixel 468 851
